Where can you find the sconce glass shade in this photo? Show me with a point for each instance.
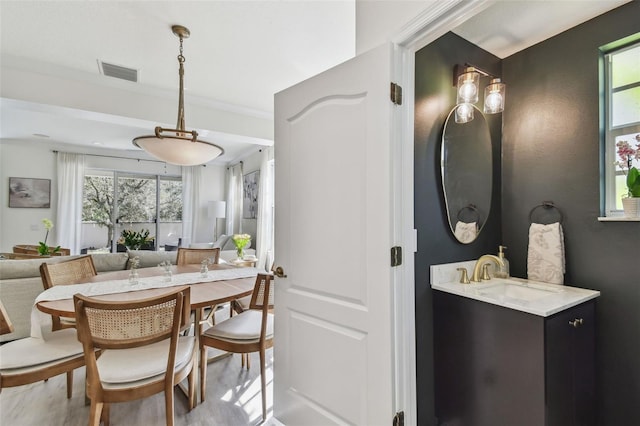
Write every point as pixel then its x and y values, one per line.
pixel 464 113
pixel 468 86
pixel 494 97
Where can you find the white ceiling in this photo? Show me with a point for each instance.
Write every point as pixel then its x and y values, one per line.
pixel 239 55
pixel 510 26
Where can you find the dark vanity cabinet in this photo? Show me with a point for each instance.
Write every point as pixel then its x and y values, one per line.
pixel 499 366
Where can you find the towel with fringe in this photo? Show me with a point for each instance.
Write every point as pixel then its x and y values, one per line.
pixel 546 259
pixel 466 232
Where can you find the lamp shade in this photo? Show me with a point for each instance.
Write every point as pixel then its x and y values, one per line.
pixel 464 113
pixel 183 151
pixel 494 97
pixel 468 84
pixel 217 209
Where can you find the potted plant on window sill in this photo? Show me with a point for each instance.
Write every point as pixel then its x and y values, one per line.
pixel 134 240
pixel 630 203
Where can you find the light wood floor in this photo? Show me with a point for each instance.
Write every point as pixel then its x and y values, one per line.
pixel 233 398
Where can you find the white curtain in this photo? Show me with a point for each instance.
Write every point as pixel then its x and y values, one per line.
pixel 191 178
pixel 69 214
pixel 234 199
pixel 264 243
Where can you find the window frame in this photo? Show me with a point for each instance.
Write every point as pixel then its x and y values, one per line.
pixel 610 132
pixel 115 174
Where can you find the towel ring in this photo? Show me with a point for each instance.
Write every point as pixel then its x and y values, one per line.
pixel 547 206
pixel 472 208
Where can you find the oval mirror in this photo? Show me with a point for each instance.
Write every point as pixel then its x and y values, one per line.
pixel 466 175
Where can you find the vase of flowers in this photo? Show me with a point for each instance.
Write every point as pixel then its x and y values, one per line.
pixel 134 278
pixel 204 268
pixel 166 267
pixel 43 248
pixel 627 155
pixel 241 241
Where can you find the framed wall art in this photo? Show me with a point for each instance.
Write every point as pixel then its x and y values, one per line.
pixel 250 195
pixel 29 193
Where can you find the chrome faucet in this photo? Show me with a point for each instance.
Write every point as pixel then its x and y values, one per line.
pixel 482 260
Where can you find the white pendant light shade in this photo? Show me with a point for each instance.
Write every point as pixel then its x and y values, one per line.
pixel 182 151
pixel 181 147
pixel 468 86
pixel 494 97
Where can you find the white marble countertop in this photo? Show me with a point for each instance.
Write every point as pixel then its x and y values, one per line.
pixel 533 297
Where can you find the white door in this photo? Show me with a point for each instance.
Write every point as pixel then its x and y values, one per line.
pixel 333 353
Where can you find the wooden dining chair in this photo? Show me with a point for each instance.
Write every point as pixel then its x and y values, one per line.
pixel 143 352
pixel 242 304
pixel 74 271
pixel 248 332
pixel 31 359
pixel 195 256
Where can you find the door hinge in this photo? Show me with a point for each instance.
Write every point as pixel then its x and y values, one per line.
pixel 398 419
pixel 396 256
pixel 396 94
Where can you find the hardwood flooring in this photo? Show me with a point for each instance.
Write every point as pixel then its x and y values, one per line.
pixel 233 398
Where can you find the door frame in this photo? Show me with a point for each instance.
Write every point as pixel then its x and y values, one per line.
pixel 429 25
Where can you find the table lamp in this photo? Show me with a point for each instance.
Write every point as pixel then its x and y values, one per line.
pixel 216 210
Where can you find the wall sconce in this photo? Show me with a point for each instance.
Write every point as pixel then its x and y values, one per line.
pixel 467 84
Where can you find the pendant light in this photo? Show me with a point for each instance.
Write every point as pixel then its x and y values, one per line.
pixel 179 146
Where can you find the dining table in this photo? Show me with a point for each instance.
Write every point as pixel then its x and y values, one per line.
pixel 206 291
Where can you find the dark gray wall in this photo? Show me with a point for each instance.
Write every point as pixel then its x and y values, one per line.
pixel 434 98
pixel 551 151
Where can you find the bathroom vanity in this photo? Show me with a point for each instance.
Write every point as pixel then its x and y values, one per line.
pixel 514 352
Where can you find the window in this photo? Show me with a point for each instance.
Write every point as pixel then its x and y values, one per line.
pixel 622 119
pixel 114 201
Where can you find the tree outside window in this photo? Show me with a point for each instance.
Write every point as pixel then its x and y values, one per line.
pixel 136 204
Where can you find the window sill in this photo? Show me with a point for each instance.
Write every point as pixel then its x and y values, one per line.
pixel 618 219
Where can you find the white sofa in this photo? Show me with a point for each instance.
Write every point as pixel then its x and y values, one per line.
pixel 20 281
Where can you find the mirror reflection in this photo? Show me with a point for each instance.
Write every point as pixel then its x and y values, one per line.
pixel 466 168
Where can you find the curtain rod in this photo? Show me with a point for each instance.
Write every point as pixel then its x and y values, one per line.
pixel 115 156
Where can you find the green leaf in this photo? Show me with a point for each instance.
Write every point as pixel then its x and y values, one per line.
pixel 43 249
pixel 633 182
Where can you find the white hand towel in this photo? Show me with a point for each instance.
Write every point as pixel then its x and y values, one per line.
pixel 466 232
pixel 546 260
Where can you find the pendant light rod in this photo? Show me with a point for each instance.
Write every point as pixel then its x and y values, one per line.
pixel 182 33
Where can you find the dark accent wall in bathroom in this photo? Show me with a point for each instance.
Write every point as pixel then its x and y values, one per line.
pixel 551 151
pixel 434 99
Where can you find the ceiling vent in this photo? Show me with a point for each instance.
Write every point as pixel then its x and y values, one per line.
pixel 117 71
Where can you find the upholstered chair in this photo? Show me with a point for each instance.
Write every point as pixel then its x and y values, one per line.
pixel 143 352
pixel 247 332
